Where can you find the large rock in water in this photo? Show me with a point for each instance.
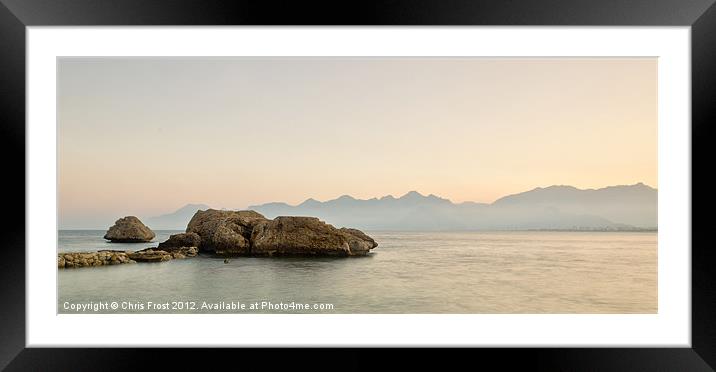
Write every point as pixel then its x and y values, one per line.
pixel 224 232
pixel 249 233
pixel 307 236
pixel 129 230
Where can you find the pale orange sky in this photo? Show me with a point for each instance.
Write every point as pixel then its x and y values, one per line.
pixel 145 136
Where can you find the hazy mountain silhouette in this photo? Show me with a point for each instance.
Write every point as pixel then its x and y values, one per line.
pixel 633 205
pixel 176 220
pixel 554 207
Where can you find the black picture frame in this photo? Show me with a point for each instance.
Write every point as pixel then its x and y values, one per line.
pixel 16 15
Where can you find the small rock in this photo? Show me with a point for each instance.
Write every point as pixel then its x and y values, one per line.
pixel 129 230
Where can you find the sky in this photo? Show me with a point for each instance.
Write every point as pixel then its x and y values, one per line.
pixel 145 136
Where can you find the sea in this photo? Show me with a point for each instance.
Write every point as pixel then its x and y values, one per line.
pixel 501 272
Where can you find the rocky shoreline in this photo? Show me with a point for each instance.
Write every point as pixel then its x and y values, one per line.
pixel 86 259
pixel 227 233
pixel 113 257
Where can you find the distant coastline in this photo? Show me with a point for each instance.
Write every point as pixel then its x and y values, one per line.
pixel 635 229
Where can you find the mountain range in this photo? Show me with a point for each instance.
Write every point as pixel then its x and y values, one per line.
pixel 624 207
pixel 176 220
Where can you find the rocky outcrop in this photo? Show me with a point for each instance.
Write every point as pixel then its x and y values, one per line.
pixel 250 233
pixel 150 255
pixel 159 255
pixel 86 259
pixel 307 236
pixel 129 230
pixel 189 239
pixel 359 241
pixel 224 232
pixel 183 252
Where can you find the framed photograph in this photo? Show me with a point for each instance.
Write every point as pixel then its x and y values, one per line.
pixel 513 176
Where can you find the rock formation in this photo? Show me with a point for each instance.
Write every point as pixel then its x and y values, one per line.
pixel 228 233
pixel 249 233
pixel 359 241
pixel 307 236
pixel 129 230
pixel 224 232
pixel 151 255
pixel 181 240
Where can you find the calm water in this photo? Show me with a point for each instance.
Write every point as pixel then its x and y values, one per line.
pixel 409 272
